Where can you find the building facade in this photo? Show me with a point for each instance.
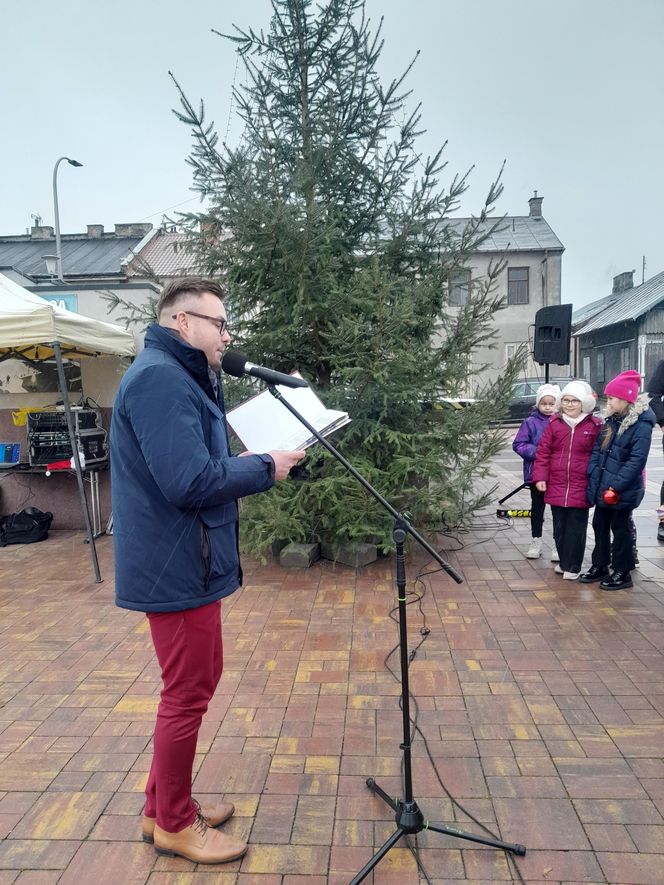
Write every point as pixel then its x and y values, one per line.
pixel 531 279
pixel 623 330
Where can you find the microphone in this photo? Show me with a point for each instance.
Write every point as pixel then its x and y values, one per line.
pixel 235 363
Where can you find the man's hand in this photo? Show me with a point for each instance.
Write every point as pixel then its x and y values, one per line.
pixel 540 486
pixel 283 461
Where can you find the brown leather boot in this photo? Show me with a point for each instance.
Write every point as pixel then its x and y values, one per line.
pixel 199 843
pixel 215 815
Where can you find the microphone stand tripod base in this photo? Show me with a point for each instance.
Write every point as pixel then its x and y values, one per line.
pixel 408 816
pixel 410 821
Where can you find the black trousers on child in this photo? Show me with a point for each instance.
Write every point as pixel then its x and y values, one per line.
pixel 570 525
pixel 619 554
pixel 536 512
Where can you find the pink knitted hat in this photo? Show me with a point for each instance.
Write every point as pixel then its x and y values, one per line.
pixel 625 386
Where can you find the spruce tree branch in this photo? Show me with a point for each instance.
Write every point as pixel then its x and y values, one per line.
pixel 202 135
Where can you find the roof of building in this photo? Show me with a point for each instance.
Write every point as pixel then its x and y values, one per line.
pixel 516 233
pixel 581 316
pixel 133 249
pixel 82 254
pixel 165 254
pixel 624 306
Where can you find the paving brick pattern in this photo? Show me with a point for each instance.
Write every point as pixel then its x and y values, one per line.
pixel 541 700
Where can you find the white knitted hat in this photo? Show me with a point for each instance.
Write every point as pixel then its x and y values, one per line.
pixel 583 392
pixel 547 390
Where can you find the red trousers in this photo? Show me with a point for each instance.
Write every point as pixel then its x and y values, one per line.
pixel 190 653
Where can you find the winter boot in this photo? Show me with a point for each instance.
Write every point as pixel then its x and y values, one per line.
pixel 535 549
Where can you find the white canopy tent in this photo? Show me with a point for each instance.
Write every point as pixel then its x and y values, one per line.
pixel 34 330
pixel 30 324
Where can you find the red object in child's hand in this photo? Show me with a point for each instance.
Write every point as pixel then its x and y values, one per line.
pixel 610 496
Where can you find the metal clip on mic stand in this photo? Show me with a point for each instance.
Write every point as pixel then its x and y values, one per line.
pixel 408 816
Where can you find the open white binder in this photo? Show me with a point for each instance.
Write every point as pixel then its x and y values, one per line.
pixel 263 424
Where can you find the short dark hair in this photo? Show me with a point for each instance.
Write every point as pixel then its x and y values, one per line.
pixel 176 290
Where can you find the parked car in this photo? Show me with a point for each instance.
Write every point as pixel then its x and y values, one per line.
pixel 523 396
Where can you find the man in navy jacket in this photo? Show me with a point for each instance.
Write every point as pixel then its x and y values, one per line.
pixel 175 487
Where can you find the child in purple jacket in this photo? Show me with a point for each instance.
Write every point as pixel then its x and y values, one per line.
pixel 525 445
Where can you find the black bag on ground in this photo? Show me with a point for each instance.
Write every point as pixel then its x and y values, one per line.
pixel 25 527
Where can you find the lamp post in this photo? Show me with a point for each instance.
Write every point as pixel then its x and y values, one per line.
pixel 58 250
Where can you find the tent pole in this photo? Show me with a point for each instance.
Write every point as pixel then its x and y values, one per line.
pixel 77 461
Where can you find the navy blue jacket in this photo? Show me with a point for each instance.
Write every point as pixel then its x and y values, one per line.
pixel 174 482
pixel 656 390
pixel 621 464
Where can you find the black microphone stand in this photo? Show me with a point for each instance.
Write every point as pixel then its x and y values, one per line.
pixel 408 816
pixel 524 485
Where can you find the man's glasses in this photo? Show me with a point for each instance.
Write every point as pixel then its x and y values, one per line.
pixel 221 324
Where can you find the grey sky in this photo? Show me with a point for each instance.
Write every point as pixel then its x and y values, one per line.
pixel 569 93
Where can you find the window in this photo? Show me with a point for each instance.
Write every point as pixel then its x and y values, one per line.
pixel 517 285
pixel 600 366
pixel 510 351
pixel 521 388
pixel 586 367
pixel 459 287
pixel 625 358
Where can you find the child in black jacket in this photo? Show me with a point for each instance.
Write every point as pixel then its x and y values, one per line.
pixel 615 480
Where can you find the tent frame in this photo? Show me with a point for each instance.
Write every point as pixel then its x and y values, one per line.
pixel 78 469
pixel 76 459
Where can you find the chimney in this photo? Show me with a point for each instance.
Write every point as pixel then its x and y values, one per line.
pixel 209 228
pixel 623 282
pixel 135 229
pixel 42 232
pixel 95 231
pixel 535 204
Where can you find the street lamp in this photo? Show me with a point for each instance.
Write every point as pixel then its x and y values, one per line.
pixel 58 250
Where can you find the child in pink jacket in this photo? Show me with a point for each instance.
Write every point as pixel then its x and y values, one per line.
pixel 560 472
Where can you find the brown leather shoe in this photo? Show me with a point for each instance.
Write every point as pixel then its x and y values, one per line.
pixel 215 815
pixel 199 843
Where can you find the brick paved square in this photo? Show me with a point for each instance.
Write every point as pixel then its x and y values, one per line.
pixel 542 705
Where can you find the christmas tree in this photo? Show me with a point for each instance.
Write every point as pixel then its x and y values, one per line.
pixel 336 242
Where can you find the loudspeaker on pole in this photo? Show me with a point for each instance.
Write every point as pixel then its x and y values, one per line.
pixel 553 329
